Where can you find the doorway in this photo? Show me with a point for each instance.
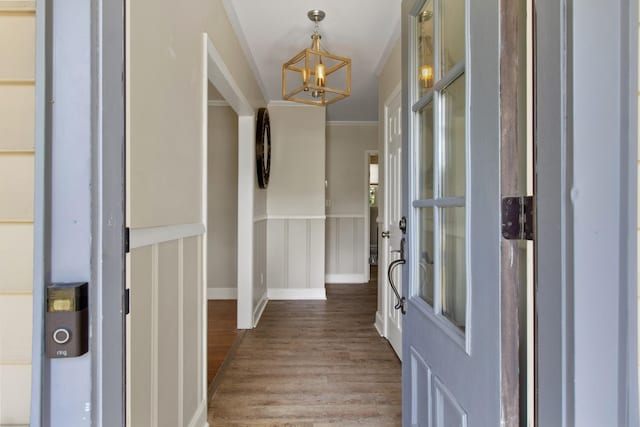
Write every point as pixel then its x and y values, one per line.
pixel 371 187
pixel 222 231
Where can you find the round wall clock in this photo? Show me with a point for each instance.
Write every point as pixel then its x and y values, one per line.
pixel 263 147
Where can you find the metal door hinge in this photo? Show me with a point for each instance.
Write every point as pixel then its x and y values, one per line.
pixel 127 240
pixel 518 218
pixel 127 301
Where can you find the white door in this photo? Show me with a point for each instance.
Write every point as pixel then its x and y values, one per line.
pixel 392 216
pixel 452 330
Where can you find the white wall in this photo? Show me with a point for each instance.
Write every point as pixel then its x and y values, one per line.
pixel 295 202
pixel 222 188
pixel 347 201
pixel 16 208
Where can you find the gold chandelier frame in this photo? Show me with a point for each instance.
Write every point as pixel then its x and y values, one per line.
pixel 314 80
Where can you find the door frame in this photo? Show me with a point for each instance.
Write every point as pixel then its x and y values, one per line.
pixel 564 70
pixel 216 72
pixel 580 243
pixel 95 382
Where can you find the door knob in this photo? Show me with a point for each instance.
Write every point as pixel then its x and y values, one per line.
pixel 385 234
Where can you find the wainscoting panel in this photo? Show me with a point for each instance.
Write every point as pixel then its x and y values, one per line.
pixel 295 251
pixel 259 267
pixel 168 335
pixel 345 249
pixel 191 339
pixel 142 341
pixel 316 253
pixel 297 242
pixel 166 342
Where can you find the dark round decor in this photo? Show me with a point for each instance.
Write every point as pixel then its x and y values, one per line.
pixel 263 147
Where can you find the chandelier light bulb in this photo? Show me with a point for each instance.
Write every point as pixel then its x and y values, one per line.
pixel 320 74
pixel 426 75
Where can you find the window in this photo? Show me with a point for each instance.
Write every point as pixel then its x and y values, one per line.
pixel 439 150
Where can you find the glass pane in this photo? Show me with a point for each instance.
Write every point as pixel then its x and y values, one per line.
pixel 453 33
pixel 453 145
pixel 425 255
pixel 425 156
pixel 452 265
pixel 425 70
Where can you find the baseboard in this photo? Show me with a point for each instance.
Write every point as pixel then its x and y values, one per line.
pixel 379 324
pixel 293 294
pixel 217 379
pixel 345 278
pixel 257 312
pixel 222 293
pixel 199 418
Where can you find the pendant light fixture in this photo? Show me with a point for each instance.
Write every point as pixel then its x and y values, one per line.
pixel 317 76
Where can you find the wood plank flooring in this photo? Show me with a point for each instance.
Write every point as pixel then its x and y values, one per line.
pixel 221 333
pixel 312 364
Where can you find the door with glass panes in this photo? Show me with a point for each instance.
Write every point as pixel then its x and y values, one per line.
pixel 451 332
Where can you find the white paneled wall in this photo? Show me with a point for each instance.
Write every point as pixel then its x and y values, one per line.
pixel 345 251
pixel 168 387
pixel 17 88
pixel 295 257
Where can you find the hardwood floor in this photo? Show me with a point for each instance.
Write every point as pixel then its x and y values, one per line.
pixel 221 333
pixel 312 364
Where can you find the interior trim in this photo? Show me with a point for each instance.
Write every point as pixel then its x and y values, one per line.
pixel 296 217
pixel 218 103
pixel 297 294
pixel 222 293
pixel 262 304
pixel 352 123
pixel 358 278
pixel 141 237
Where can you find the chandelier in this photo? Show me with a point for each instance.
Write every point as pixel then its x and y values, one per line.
pixel 319 77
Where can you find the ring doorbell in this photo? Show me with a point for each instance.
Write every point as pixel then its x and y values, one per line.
pixel 67 320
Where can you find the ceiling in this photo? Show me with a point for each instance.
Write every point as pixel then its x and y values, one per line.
pixel 271 32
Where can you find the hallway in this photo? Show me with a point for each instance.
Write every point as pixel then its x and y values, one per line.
pixel 311 364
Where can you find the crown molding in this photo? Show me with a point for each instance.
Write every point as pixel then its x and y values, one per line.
pixel 386 53
pixel 244 45
pixel 218 103
pixel 352 123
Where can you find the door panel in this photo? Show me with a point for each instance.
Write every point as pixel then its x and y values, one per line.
pixel 392 216
pixel 451 191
